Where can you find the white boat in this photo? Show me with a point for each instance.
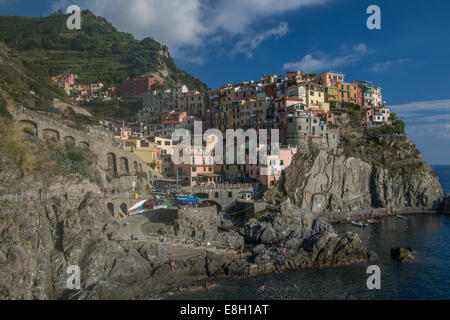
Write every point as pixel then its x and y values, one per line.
pixel 133 213
pixel 137 208
pixel 359 224
pixel 161 206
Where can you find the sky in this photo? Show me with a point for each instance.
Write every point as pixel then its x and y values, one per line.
pixel 230 41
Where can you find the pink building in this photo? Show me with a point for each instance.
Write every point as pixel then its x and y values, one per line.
pixel 330 79
pixel 199 170
pixel 270 172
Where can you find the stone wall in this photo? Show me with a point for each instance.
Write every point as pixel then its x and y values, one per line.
pixel 111 158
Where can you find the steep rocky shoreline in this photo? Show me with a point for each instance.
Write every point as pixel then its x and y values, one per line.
pixel 38 247
pixel 368 171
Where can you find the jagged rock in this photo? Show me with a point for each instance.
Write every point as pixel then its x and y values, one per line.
pixel 402 254
pixel 199 223
pixel 445 204
pixel 231 238
pixel 323 181
pixel 307 241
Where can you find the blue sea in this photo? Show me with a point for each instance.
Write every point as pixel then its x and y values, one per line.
pixel 444 176
pixel 426 278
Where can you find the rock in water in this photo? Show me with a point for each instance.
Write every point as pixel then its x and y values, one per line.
pixel 402 254
pixel 309 241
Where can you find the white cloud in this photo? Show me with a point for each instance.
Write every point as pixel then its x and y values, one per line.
pixel 320 61
pixel 383 66
pixel 428 125
pixel 423 107
pixel 426 118
pixel 188 23
pixel 249 43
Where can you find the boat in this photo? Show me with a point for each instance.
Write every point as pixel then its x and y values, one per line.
pixel 184 200
pixel 402 217
pixel 162 206
pixel 359 224
pixel 138 208
pixel 374 221
pixel 136 212
pixel 150 204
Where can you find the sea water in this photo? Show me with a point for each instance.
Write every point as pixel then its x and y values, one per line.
pixel 426 278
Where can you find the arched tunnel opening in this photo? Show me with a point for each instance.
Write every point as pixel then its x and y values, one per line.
pixel 213 203
pixel 124 208
pixel 110 207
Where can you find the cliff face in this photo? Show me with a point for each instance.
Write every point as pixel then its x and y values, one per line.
pixel 330 182
pixel 445 205
pixel 369 169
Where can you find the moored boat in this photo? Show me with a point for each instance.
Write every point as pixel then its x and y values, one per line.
pixel 402 217
pixel 137 208
pixel 374 221
pixel 359 224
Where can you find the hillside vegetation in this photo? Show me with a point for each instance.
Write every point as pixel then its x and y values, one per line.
pixel 97 52
pixel 26 86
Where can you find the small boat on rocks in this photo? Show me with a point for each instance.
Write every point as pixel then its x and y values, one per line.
pixel 359 224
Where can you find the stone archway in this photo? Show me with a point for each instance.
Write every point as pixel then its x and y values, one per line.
pixel 112 163
pixel 51 134
pixel 110 207
pixel 213 203
pixel 124 208
pixel 30 125
pixel 123 164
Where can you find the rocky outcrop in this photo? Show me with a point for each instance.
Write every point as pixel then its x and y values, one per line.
pixel 203 224
pixel 445 204
pixel 40 240
pixel 323 181
pixel 290 225
pixel 37 247
pixel 402 254
pixel 307 241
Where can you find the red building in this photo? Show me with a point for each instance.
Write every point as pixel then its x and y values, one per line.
pixel 136 87
pixel 271 90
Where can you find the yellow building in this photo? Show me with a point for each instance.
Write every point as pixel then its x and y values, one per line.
pixel 165 144
pixel 143 149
